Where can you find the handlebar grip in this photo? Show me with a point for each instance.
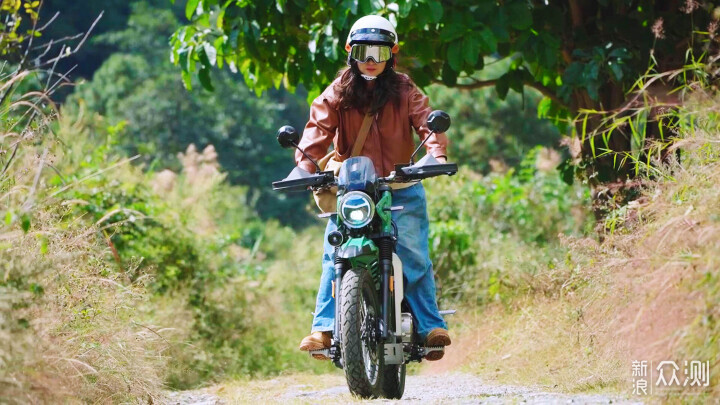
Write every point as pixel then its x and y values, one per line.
pixel 424 172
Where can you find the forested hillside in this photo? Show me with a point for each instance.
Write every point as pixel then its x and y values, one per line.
pixel 142 248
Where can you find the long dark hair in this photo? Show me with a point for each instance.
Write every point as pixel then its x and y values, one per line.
pixel 354 92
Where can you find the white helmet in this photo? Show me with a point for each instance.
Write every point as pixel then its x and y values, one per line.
pixel 372 29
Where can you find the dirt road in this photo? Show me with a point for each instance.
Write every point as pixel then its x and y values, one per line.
pixel 455 388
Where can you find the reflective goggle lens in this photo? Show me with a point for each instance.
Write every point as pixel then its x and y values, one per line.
pixel 363 53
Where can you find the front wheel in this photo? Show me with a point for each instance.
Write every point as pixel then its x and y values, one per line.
pixel 360 343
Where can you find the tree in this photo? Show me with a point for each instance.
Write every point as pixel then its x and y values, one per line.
pixel 582 55
pixel 137 85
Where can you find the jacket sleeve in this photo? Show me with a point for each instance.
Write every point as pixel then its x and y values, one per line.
pixel 318 134
pixel 419 110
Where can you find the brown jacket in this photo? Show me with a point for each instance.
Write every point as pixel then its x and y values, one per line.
pixel 389 141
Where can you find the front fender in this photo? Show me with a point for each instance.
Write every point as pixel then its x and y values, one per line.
pixel 355 247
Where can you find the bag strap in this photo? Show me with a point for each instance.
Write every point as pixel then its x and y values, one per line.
pixel 362 135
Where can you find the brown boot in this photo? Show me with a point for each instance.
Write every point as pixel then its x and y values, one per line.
pixel 437 337
pixel 316 341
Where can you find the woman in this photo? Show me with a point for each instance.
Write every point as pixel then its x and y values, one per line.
pixel 371 85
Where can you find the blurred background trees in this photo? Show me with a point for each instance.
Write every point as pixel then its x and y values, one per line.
pixel 125 75
pixel 583 56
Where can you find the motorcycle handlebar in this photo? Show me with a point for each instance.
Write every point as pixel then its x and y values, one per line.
pixel 300 180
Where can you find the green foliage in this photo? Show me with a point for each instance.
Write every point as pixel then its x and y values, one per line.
pixel 200 251
pixel 582 56
pixel 557 48
pixel 485 128
pixel 534 205
pixel 76 17
pixel 488 230
pixel 137 85
pixel 13 32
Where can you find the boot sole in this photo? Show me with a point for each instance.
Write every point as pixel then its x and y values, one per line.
pixel 434 356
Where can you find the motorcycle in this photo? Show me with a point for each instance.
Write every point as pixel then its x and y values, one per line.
pixel 374 335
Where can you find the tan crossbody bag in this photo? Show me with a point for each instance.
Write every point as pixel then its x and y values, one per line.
pixel 326 199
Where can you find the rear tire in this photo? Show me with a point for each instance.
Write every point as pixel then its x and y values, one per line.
pixel 360 342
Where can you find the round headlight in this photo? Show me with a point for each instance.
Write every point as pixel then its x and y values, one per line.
pixel 356 209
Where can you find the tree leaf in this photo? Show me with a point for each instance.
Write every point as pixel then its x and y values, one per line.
pixel 218 44
pixel 190 8
pixel 471 49
pixel 520 15
pixel 452 31
pixel 620 53
pixel 365 7
pixel 516 81
pixel 204 76
pixel 204 60
pixel 352 5
pixel 488 41
pixel 616 70
pixel 449 76
pixel 404 8
pixel 340 16
pixel 567 171
pixel 455 55
pixel 543 108
pixel 210 52
pixel 220 19
pixel 436 10
pixel 502 86
pixel 186 79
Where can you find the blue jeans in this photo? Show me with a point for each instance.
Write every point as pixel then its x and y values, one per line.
pixel 412 248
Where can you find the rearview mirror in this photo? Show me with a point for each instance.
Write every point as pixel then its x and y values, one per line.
pixel 438 121
pixel 288 137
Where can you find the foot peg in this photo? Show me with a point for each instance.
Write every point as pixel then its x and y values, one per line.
pixel 429 349
pixel 447 312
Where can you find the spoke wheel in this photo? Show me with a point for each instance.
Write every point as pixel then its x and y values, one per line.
pixel 360 342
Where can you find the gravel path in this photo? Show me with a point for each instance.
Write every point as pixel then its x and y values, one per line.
pixel 455 388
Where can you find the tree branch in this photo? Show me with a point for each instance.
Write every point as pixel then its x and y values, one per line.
pixel 575 14
pixel 548 93
pixel 478 84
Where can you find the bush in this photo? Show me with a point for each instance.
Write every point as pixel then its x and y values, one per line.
pixel 489 233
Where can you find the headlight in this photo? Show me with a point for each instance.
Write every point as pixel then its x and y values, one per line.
pixel 356 209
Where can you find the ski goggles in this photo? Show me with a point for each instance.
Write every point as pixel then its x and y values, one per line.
pixel 363 53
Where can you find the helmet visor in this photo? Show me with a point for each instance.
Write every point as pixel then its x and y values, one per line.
pixel 363 53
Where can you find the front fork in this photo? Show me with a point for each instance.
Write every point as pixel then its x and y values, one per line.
pixel 340 266
pixel 386 250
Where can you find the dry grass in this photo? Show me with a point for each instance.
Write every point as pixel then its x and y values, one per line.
pixel 648 292
pixel 70 327
pixel 540 341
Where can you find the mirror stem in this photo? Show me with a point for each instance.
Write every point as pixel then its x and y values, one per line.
pixel 412 157
pixel 309 158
